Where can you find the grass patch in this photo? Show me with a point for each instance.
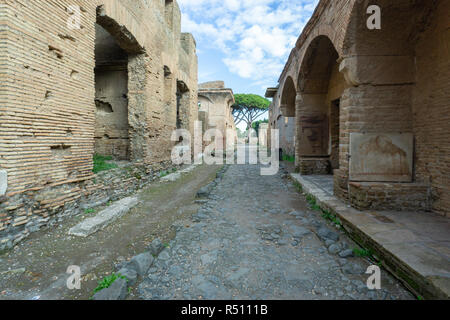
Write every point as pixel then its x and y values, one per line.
pixel 100 163
pixel 108 281
pixel 89 211
pixel 298 186
pixel 363 253
pixel 331 217
pixel 163 174
pixel 288 158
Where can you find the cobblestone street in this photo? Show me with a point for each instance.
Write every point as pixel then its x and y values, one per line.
pixel 256 238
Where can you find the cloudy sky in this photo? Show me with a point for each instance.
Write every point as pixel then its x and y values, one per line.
pixel 246 43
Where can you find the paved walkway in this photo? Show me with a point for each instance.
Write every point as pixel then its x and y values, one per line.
pixel 255 238
pixel 414 245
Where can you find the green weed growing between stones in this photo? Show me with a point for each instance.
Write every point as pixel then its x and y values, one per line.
pixel 106 282
pixel 365 253
pixel 89 211
pixel 331 217
pixel 100 163
pixel 298 186
pixel 163 174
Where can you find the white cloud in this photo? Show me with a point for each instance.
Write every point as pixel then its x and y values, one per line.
pixel 255 36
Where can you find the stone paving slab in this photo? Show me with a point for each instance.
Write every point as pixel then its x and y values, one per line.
pixel 104 217
pixel 414 246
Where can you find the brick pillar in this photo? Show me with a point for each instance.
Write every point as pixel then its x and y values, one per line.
pixel 312 134
pixel 298 107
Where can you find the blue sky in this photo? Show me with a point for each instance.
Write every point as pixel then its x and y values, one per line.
pixel 246 43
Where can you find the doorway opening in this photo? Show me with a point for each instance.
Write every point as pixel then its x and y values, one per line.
pixel 335 133
pixel 111 97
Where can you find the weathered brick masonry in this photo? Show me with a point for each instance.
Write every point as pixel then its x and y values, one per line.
pixel 215 102
pixel 374 103
pixel 57 106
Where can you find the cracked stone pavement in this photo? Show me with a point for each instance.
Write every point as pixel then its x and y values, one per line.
pixel 256 238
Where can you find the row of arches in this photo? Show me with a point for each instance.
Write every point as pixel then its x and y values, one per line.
pixel 363 87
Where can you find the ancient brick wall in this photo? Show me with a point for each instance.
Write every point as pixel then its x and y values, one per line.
pixel 48 109
pixel 431 106
pixel 386 82
pixel 215 103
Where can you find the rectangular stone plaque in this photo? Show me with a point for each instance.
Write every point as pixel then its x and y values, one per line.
pixel 383 157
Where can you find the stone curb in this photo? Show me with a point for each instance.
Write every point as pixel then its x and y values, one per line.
pixel 411 278
pixel 138 266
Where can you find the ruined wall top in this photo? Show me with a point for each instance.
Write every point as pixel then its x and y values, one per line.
pixel 212 85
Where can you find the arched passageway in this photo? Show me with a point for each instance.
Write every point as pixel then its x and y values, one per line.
pixel 320 87
pixel 111 97
pixel 393 107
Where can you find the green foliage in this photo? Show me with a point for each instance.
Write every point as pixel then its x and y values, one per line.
pixel 298 186
pixel 250 101
pixel 249 107
pixel 331 217
pixel 257 124
pixel 363 252
pixel 163 174
pixel 108 281
pixel 100 163
pixel 288 158
pixel 89 211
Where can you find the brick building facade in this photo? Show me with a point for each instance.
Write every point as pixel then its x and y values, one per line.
pixel 117 84
pixel 371 106
pixel 215 102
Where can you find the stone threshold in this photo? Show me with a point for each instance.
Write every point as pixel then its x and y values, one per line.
pixel 413 246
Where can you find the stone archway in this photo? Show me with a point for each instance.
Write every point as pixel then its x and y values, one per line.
pixel 394 76
pixel 320 86
pixel 288 95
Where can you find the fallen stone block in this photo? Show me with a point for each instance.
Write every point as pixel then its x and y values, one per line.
pixel 104 218
pixel 141 263
pixel 353 268
pixel 346 253
pixel 130 274
pixel 206 190
pixel 156 247
pixel 326 233
pixel 117 291
pixel 334 248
